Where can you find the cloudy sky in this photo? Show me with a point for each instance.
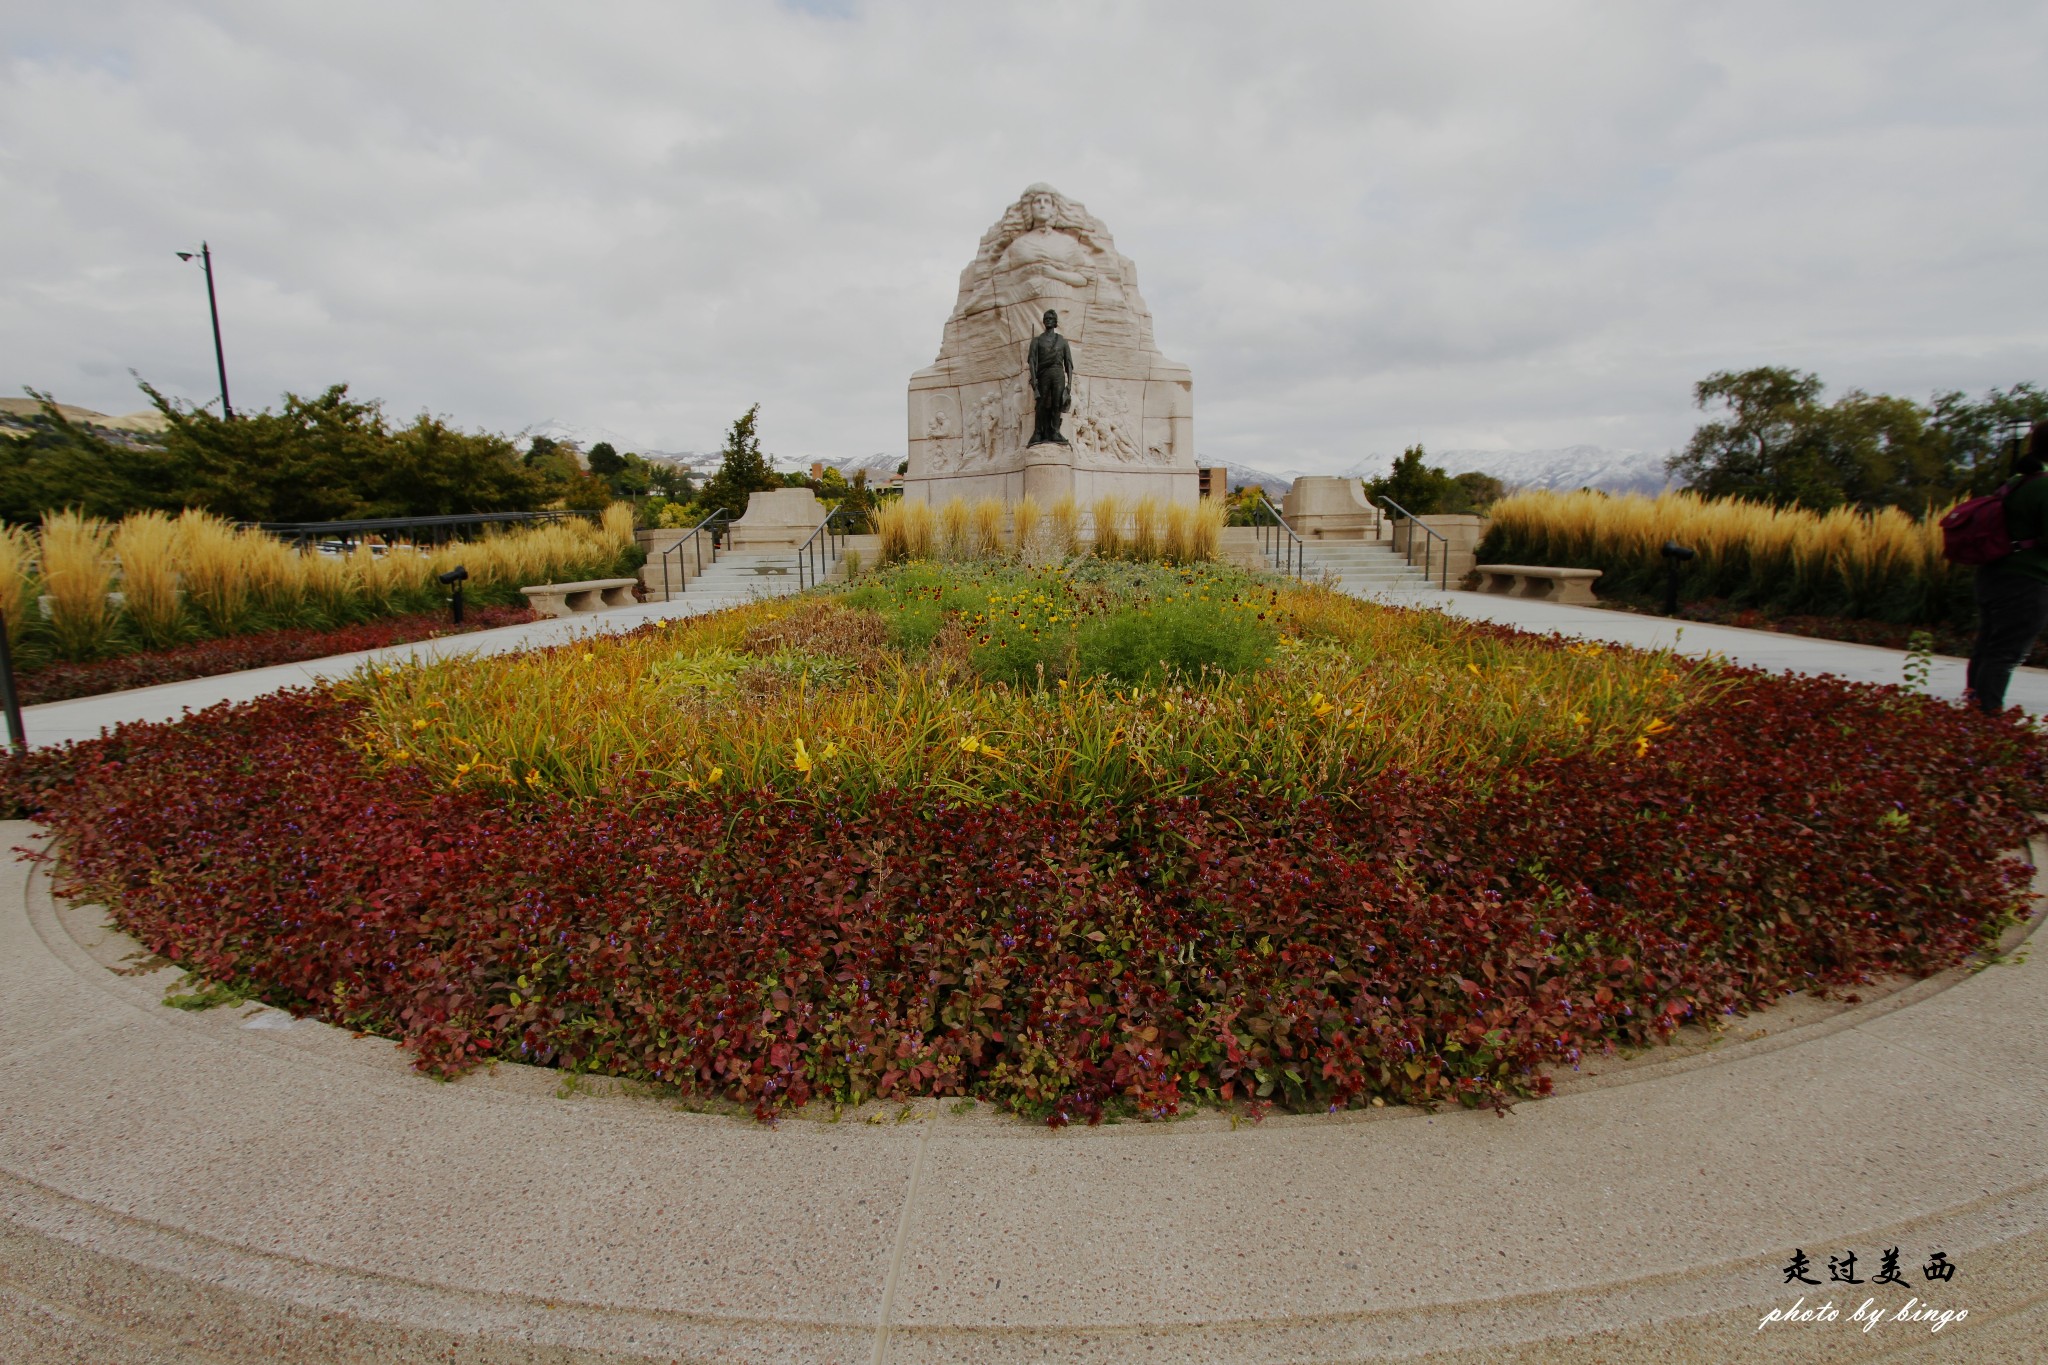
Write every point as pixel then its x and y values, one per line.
pixel 1502 225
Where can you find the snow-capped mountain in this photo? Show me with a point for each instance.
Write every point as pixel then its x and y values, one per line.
pixel 1567 468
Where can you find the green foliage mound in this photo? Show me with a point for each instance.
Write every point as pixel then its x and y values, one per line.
pixel 1124 621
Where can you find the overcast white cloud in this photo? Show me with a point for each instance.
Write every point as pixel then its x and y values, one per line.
pixel 1363 225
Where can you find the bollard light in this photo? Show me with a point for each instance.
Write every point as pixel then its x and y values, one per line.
pixel 454 578
pixel 1674 555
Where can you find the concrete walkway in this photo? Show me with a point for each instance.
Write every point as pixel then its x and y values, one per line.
pixel 234 1185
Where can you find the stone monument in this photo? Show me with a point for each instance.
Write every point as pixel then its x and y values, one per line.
pixel 1047 380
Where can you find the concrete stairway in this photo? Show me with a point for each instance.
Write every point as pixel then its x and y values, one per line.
pixel 748 575
pixel 1365 568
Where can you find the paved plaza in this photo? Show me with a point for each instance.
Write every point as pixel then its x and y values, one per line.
pixel 237 1185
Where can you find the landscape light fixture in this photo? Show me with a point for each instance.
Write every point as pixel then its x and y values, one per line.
pixel 10 700
pixel 453 578
pixel 205 254
pixel 1674 555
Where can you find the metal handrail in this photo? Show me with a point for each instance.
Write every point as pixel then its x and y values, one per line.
pixel 816 556
pixel 1444 569
pixel 715 523
pixel 1277 540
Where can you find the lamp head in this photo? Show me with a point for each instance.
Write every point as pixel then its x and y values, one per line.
pixel 186 255
pixel 1673 550
pixel 454 575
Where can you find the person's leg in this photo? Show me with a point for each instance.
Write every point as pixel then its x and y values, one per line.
pixel 2012 609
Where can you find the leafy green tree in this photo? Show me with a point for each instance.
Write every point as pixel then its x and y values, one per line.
pixel 858 503
pixel 1481 490
pixel 604 460
pixel 1979 439
pixel 1419 487
pixel 57 463
pixel 669 482
pixel 742 470
pixel 1778 443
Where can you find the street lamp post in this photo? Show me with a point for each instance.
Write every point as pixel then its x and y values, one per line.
pixel 213 307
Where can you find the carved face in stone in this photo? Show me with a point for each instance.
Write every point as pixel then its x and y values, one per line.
pixel 1042 209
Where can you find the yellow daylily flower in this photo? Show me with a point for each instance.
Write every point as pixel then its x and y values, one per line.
pixel 1656 727
pixel 803 759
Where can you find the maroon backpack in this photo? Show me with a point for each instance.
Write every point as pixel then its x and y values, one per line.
pixel 1974 532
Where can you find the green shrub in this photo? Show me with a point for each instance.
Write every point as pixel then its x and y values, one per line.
pixel 1181 637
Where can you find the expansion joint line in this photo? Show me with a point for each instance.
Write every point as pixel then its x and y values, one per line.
pixel 881 1354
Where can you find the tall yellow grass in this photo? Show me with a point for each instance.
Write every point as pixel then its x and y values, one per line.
pixel 146 545
pixel 1024 526
pixel 17 577
pixel 985 528
pixel 953 528
pixel 1146 514
pixel 217 587
pixel 78 573
pixel 197 570
pixel 1063 520
pixel 1846 562
pixel 906 529
pixel 1108 514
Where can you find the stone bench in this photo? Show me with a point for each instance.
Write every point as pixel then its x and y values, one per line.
pixel 569 599
pixel 1571 587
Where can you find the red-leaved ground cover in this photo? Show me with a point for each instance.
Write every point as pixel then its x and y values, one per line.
pixel 1435 937
pixel 234 653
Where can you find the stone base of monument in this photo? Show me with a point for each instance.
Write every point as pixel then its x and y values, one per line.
pixel 779 516
pixel 1321 507
pixel 1046 481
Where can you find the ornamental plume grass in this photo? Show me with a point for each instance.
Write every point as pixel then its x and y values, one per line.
pixel 954 529
pixel 1205 529
pixel 1177 542
pixel 617 525
pixel 1145 528
pixel 17 577
pixel 1024 527
pixel 1108 514
pixel 78 573
pixel 985 528
pixel 1885 564
pixel 216 577
pixel 145 543
pixel 1063 522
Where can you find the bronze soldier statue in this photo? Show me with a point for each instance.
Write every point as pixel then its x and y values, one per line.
pixel 1052 380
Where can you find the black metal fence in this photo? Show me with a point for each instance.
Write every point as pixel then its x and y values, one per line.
pixel 415 530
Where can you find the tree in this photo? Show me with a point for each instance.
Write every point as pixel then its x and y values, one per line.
pixel 604 461
pixel 670 482
pixel 1420 488
pixel 60 464
pixel 1779 444
pixel 742 469
pixel 1481 490
pixel 1978 439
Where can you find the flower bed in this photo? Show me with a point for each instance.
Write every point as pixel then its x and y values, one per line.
pixel 1378 914
pixel 208 658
